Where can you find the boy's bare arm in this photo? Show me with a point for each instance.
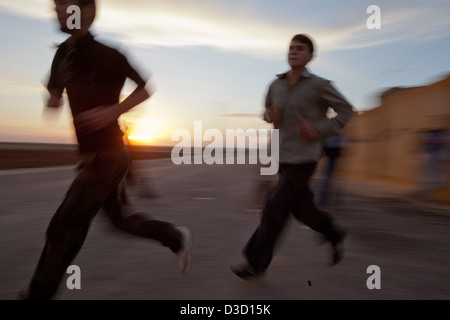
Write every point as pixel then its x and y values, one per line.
pixel 102 116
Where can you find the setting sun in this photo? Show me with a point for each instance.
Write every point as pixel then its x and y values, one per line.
pixel 140 139
pixel 143 131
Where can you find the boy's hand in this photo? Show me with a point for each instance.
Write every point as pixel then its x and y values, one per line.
pixel 54 102
pixel 274 114
pixel 307 131
pixel 102 116
pixel 96 118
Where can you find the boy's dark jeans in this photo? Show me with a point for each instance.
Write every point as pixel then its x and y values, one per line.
pixel 294 195
pixel 95 187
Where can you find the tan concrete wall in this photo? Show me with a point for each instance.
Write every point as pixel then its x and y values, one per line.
pixel 384 142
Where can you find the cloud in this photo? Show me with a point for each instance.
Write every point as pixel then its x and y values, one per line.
pixel 231 26
pixel 217 25
pixel 412 24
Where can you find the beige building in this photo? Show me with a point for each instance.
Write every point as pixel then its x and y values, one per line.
pixel 385 142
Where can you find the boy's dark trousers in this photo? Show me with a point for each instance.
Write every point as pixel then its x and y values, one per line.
pixel 95 187
pixel 292 195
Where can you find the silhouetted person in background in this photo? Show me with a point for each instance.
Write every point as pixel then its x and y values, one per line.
pixel 435 152
pixel 332 151
pixel 297 103
pixel 93 76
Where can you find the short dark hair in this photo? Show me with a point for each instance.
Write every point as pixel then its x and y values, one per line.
pixel 304 39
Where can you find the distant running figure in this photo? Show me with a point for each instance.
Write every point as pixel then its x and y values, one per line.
pixel 332 151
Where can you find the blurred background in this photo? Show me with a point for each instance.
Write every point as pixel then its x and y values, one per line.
pixel 212 61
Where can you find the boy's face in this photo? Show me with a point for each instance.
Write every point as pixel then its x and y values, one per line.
pixel 62 15
pixel 299 54
pixel 61 12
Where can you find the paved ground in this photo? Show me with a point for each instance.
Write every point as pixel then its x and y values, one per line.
pixel 408 239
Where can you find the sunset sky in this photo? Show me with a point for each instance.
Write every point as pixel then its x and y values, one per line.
pixel 212 60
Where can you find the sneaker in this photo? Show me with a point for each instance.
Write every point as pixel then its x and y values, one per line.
pixel 246 272
pixel 184 254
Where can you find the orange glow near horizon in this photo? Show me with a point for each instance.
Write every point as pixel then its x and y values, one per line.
pixel 140 140
pixel 144 131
